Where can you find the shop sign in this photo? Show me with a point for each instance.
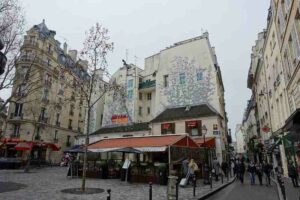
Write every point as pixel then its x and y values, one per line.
pixel 192 123
pixel 265 129
pixel 119 118
pixel 166 126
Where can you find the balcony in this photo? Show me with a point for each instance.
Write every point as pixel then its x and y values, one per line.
pixel 33 60
pixel 43 119
pixel 147 84
pixel 16 116
pixel 55 140
pixel 57 124
pixel 30 43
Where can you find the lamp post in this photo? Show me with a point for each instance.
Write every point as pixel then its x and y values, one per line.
pixel 204 131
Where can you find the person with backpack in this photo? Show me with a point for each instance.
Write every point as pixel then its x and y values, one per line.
pixel 252 170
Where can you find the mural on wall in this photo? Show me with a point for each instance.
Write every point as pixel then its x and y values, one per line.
pixel 188 83
pixel 119 107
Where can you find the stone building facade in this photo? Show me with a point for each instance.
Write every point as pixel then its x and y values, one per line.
pixel 53 110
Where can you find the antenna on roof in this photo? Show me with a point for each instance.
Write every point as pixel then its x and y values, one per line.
pixel 127 52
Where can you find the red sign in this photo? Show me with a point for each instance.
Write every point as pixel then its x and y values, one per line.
pixel 166 126
pixel 192 123
pixel 265 129
pixel 119 118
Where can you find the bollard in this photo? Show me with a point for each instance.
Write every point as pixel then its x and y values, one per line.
pixel 108 191
pixel 177 190
pixel 150 190
pixel 222 178
pixel 210 180
pixel 194 186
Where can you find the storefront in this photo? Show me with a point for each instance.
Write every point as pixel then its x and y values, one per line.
pixel 151 157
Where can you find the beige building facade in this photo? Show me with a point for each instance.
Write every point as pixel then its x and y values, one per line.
pixel 52 111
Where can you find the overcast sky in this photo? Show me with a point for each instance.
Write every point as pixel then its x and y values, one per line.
pixel 145 27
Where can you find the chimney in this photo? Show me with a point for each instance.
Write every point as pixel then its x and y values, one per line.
pixel 205 34
pixel 65 48
pixel 73 54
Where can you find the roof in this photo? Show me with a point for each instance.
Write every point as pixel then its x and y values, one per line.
pixel 178 113
pixel 145 141
pixel 126 128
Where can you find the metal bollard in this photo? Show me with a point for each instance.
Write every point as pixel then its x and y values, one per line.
pixel 222 178
pixel 150 190
pixel 210 180
pixel 177 190
pixel 194 186
pixel 108 191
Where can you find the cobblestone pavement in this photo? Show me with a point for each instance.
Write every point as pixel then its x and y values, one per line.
pixel 47 183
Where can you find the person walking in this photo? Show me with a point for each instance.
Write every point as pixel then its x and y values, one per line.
pixel 259 172
pixel 216 168
pixel 192 168
pixel 241 171
pixel 292 172
pixel 252 170
pixel 224 167
pixel 267 168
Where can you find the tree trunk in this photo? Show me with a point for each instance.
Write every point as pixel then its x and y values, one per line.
pixel 27 167
pixel 85 150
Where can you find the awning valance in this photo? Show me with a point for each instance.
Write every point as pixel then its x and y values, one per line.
pixel 143 144
pixel 209 141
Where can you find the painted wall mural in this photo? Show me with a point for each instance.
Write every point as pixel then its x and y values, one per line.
pixel 119 108
pixel 188 83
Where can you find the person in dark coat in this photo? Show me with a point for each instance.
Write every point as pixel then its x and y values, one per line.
pixel 293 174
pixel 224 167
pixel 252 171
pixel 241 171
pixel 259 172
pixel 267 168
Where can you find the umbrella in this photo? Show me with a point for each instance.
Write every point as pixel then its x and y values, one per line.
pixel 23 146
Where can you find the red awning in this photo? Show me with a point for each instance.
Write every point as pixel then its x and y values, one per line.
pixel 209 142
pixel 53 147
pixel 146 143
pixel 23 146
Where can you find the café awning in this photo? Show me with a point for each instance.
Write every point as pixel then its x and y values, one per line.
pixel 209 142
pixel 143 144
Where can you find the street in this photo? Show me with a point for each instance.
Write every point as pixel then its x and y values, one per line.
pixel 237 191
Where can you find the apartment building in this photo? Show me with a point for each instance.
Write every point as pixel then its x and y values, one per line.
pixel 52 111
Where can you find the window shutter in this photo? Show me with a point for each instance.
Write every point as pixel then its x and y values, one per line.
pixel 199 123
pixel 173 128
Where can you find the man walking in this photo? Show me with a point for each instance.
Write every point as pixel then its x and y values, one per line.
pixel 241 171
pixel 259 172
pixel 267 168
pixel 224 167
pixel 293 174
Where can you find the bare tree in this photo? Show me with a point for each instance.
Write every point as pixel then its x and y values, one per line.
pixel 96 47
pixel 12 22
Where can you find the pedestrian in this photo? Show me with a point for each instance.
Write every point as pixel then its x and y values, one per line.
pixel 185 167
pixel 224 167
pixel 192 167
pixel 267 168
pixel 206 174
pixel 259 172
pixel 235 169
pixel 293 174
pixel 241 171
pixel 216 168
pixel 251 170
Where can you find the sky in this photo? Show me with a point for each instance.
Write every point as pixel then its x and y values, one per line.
pixel 144 27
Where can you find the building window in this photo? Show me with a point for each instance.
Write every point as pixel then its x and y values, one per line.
pixel 215 127
pixel 140 111
pixel 166 80
pixel 18 109
pixel 49 62
pixel 129 94
pixel 148 110
pixel 168 128
pixel 16 132
pixel 149 96
pixel 193 128
pixel 199 76
pixel 68 143
pixel 296 44
pixel 140 96
pixel 55 136
pixel 49 48
pixel 57 119
pixel 70 124
pixel 182 78
pixel 130 83
pixel 43 115
pixel 71 109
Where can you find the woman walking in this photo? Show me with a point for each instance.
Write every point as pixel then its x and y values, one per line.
pixel 259 172
pixel 251 170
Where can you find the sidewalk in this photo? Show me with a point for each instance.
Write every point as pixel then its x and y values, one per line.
pixel 291 192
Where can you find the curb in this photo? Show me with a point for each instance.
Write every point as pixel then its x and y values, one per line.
pixel 216 190
pixel 280 197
